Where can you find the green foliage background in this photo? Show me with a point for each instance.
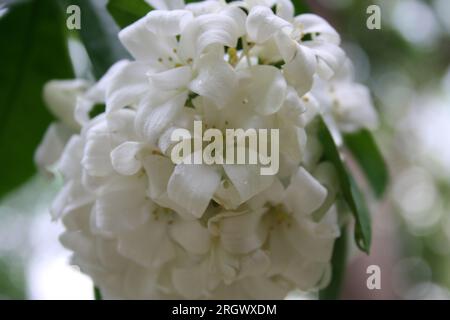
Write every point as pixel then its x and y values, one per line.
pixel 33 51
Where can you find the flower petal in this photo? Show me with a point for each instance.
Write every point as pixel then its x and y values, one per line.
pixel 78 219
pixel 191 235
pixel 285 9
pixel 227 195
pixel 140 283
pixel 192 282
pixel 300 70
pixel 192 186
pixel 247 179
pixel 330 56
pixel 304 194
pixel 124 158
pixel 158 169
pixel 97 93
pixel 240 233
pixel 262 24
pixel 318 27
pixel 148 245
pixel 108 256
pixel 254 264
pixel 52 146
pixel 127 86
pixel 72 197
pixel 261 288
pixel 355 107
pixel 154 116
pixel 122 209
pixel 204 7
pixel 168 23
pixel 80 243
pixel 96 156
pixel 273 195
pixel 305 273
pixel 171 79
pixel 294 142
pixel 211 29
pixel 60 96
pixel 312 240
pixel 69 165
pixel 266 89
pixel 145 45
pixel 121 125
pixel 216 80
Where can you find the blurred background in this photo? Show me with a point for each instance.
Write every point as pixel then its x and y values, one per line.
pixel 406 64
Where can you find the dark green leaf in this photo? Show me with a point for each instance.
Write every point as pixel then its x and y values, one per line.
pixel 365 150
pixel 99 35
pixel 363 230
pixel 97 294
pixel 350 191
pixel 33 51
pixel 8 4
pixel 125 12
pixel 338 264
pixel 301 6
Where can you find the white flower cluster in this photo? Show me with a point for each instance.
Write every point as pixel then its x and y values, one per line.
pixel 143 227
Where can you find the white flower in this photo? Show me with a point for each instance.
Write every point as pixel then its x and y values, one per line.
pixel 144 227
pixel 173 64
pixel 348 104
pixel 302 57
pixel 61 98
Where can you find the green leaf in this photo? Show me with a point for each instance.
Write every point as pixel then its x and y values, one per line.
pixel 363 229
pixel 350 191
pixel 365 150
pixel 97 294
pixel 125 12
pixel 33 51
pixel 301 6
pixel 338 266
pixel 99 35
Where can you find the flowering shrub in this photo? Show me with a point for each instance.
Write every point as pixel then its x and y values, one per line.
pixel 144 227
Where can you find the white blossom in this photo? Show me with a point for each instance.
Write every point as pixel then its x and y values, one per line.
pixel 144 227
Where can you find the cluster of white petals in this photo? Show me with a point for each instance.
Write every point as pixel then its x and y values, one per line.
pixel 145 228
